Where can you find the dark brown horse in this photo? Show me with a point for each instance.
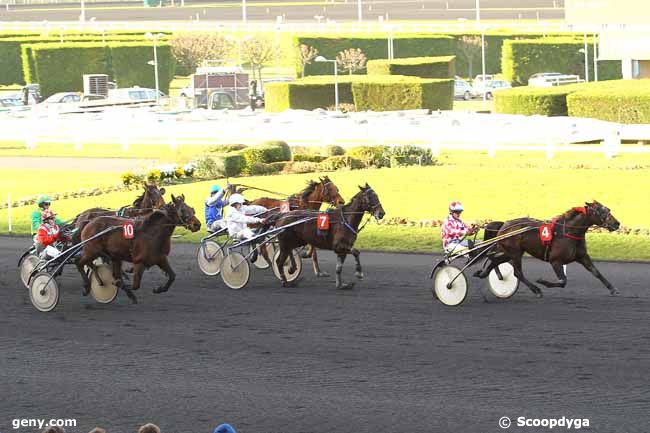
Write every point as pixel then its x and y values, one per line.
pixel 150 199
pixel 150 246
pixel 344 226
pixel 568 244
pixel 310 198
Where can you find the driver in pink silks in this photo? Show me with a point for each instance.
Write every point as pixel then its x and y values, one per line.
pixel 454 229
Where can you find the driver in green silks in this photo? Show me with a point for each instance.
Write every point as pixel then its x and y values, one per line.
pixel 44 202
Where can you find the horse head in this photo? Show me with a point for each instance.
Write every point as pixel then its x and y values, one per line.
pixel 330 192
pixel 370 202
pixel 601 216
pixel 184 214
pixel 151 198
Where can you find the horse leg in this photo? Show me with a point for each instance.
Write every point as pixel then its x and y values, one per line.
pixel 309 250
pixel 589 265
pixel 119 283
pixel 282 257
pixel 493 262
pixel 314 261
pixel 340 259
pixel 138 270
pixel 171 275
pixel 358 272
pixel 85 259
pixel 558 267
pixel 516 263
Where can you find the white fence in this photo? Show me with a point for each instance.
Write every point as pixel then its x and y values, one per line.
pixel 493 133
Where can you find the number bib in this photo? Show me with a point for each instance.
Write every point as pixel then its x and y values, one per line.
pixel 323 222
pixel 127 230
pixel 546 233
pixel 284 207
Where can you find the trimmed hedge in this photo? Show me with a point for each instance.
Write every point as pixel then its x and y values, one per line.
pixel 265 154
pixel 522 58
pixel 530 100
pixel 376 92
pixel 231 164
pixel 373 46
pixel 423 67
pixel 60 67
pixel 625 101
pixel 405 94
pixel 341 162
pixel 302 157
pixel 370 156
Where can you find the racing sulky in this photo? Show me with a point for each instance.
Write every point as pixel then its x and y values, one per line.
pixel 559 242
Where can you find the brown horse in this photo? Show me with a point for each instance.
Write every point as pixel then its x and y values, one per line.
pixel 150 246
pixel 310 198
pixel 568 244
pixel 344 226
pixel 150 199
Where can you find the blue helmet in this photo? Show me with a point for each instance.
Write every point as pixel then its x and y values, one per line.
pixel 215 188
pixel 224 428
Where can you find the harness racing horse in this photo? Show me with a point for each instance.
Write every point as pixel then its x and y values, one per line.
pixel 340 237
pixel 567 245
pixel 150 245
pixel 311 198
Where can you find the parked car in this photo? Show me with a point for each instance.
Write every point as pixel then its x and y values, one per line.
pixel 71 97
pixel 488 88
pixel 134 94
pixel 11 100
pixel 462 89
pixel 550 79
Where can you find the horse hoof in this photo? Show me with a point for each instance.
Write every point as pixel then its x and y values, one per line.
pixel 359 275
pixel 85 291
pixel 346 286
pixel 305 254
pixel 160 289
pixel 287 284
pixel 134 300
pixel 539 294
pixel 322 274
pixel 614 292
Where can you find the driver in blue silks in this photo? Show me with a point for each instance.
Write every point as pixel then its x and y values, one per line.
pixel 214 205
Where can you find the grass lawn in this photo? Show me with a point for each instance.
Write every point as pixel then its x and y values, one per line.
pixel 26 182
pixel 505 187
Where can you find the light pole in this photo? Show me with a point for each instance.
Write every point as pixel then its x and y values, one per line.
pixel 359 12
pixel 585 51
pixel 82 16
pixel 483 80
pixel 243 11
pixel 336 80
pixel 478 12
pixel 154 63
pixel 595 58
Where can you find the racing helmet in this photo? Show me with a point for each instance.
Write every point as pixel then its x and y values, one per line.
pixel 46 214
pixel 236 198
pixel 43 199
pixel 215 188
pixel 456 206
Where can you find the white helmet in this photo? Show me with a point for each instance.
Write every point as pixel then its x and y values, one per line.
pixel 455 206
pixel 236 198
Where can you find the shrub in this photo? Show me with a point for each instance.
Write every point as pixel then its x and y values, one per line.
pixel 370 156
pixel 265 153
pixel 526 100
pixel 301 167
pixel 333 150
pixel 129 178
pixel 286 150
pixel 206 167
pixel 616 101
pixel 423 67
pixel 189 169
pixel 403 93
pixel 522 58
pixel 341 162
pixel 304 157
pixel 231 164
pixel 227 148
pixel 179 172
pixel 260 169
pixel 154 175
pixel 409 155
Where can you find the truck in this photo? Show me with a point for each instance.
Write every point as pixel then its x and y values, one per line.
pixel 223 79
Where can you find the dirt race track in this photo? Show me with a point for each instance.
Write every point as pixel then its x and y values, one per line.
pixel 384 357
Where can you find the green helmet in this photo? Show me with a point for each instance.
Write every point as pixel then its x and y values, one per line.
pixel 44 199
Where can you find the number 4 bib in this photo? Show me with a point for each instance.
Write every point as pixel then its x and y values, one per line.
pixel 546 233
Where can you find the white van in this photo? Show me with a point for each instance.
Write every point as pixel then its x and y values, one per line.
pixel 134 94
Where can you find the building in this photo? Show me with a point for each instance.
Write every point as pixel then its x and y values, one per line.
pixel 623 27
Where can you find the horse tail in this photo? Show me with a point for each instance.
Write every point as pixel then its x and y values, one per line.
pixel 491 229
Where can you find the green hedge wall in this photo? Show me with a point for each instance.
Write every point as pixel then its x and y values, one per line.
pixel 625 101
pixel 403 94
pixel 525 57
pixel 373 46
pixel 11 65
pixel 60 67
pixel 365 92
pixel 529 100
pixel 423 67
pixel 265 154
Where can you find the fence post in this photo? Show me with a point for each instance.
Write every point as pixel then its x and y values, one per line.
pixel 550 150
pixel 9 210
pixel 612 143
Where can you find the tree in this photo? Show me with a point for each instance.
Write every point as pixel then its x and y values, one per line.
pixel 258 51
pixel 351 60
pixel 307 55
pixel 191 49
pixel 470 46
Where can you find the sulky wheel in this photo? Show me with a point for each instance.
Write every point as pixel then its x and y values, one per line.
pixel 291 277
pixel 235 270
pixel 506 286
pixel 27 265
pixel 44 292
pixel 209 257
pixel 260 262
pixel 453 294
pixel 103 293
